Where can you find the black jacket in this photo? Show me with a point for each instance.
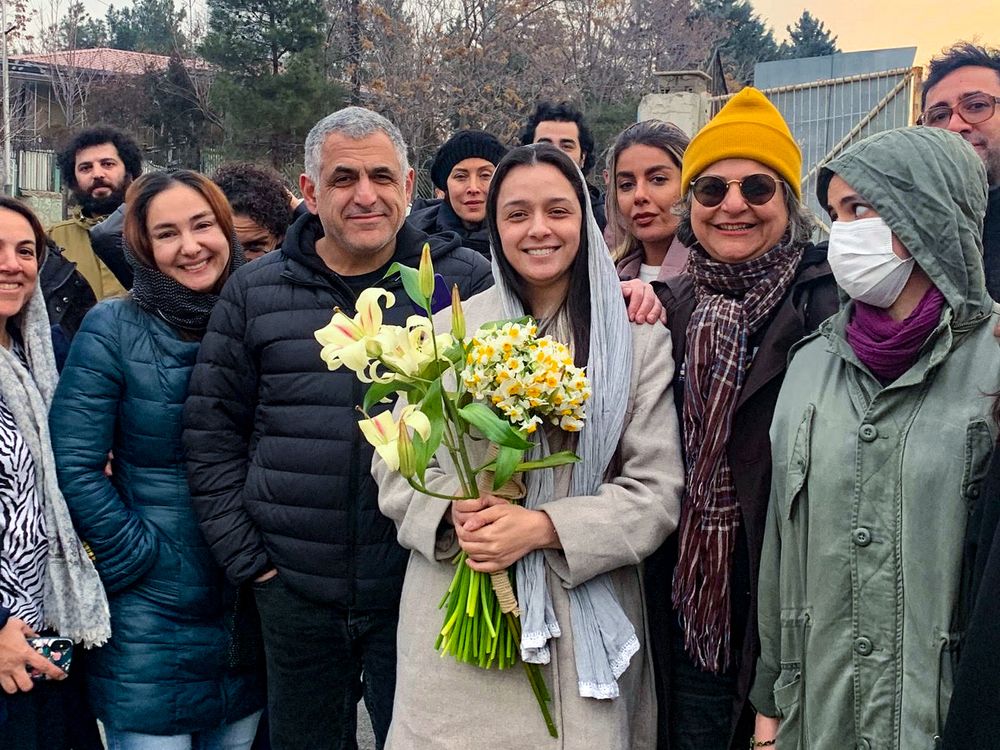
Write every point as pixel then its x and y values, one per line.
pixel 991 243
pixel 67 296
pixel 811 299
pixel 597 206
pixel 440 218
pixel 280 474
pixel 106 242
pixel 973 721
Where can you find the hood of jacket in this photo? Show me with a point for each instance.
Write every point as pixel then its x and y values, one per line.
pixel 440 217
pixel 929 186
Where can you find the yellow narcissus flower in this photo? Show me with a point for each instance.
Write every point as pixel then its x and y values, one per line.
pixel 383 433
pixel 353 342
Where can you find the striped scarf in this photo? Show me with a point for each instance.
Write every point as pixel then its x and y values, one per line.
pixel 734 300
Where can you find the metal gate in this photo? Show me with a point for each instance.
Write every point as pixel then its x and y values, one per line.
pixel 827 116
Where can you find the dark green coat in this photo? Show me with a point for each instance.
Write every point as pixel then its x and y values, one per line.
pixel 123 390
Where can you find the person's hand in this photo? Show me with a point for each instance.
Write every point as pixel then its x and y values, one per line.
pixel 465 513
pixel 17 655
pixel 501 534
pixel 108 472
pixel 267 576
pixel 643 304
pixel 766 729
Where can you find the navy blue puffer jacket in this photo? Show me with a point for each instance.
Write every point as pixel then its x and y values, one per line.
pixel 123 390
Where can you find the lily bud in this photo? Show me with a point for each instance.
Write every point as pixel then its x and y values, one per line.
pixel 425 272
pixel 407 454
pixel 457 314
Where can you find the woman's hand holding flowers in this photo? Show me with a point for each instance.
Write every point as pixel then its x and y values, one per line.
pixel 500 533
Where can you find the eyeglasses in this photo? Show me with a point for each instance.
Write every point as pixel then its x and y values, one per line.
pixel 756 189
pixel 972 109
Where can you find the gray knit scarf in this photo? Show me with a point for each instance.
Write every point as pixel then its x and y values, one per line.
pixel 163 297
pixel 604 639
pixel 75 604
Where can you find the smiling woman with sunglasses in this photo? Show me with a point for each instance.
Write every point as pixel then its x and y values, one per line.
pixel 754 286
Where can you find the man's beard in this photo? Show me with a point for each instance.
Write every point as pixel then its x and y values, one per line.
pixel 101 206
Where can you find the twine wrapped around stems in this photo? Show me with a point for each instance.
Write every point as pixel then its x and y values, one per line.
pixel 512 490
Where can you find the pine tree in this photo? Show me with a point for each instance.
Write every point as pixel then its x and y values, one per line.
pixel 808 37
pixel 250 38
pixel 147 26
pixel 746 39
pixel 271 86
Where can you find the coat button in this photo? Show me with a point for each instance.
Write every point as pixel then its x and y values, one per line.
pixel 863 646
pixel 972 491
pixel 863 744
pixel 868 432
pixel 862 537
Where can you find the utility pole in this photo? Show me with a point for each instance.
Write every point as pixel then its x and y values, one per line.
pixel 8 171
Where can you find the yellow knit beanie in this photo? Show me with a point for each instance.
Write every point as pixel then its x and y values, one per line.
pixel 748 127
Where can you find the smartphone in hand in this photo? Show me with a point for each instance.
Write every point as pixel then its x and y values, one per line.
pixel 57 650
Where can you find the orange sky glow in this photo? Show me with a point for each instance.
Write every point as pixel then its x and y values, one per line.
pixel 927 24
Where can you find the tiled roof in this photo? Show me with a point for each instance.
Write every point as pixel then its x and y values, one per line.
pixel 108 60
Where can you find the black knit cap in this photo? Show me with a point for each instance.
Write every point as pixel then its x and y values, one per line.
pixel 465 144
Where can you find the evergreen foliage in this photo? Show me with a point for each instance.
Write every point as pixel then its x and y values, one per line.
pixel 808 37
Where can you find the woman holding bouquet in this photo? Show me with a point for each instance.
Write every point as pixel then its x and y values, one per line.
pixel 577 543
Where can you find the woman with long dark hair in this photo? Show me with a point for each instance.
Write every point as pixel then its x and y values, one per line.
pixel 644 186
pixel 583 529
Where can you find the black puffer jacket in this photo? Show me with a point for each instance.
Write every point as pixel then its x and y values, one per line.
pixel 440 218
pixel 280 474
pixel 68 297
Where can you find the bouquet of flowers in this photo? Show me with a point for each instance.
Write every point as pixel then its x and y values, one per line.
pixel 503 383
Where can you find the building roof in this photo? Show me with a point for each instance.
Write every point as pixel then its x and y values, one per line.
pixel 108 60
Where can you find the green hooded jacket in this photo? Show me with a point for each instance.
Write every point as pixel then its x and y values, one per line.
pixel 862 560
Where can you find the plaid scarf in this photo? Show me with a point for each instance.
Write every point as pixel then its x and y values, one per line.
pixel 734 300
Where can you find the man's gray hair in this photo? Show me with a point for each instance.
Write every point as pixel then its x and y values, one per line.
pixel 799 231
pixel 355 123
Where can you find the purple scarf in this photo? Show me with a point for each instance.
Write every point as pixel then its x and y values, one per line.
pixel 889 347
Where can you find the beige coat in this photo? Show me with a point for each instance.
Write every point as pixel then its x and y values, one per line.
pixel 443 704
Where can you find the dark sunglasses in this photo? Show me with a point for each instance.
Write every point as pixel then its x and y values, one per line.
pixel 974 109
pixel 756 189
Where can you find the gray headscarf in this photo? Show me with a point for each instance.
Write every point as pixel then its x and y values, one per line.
pixel 603 637
pixel 75 604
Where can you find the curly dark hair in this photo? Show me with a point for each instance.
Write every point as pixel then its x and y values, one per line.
pixel 128 150
pixel 961 55
pixel 257 192
pixel 561 112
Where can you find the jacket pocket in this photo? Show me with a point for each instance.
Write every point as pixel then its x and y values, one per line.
pixel 798 462
pixel 979 443
pixel 789 689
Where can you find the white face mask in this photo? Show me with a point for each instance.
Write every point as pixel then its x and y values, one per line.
pixel 864 264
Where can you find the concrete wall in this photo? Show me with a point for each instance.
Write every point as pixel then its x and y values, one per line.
pixel 48 206
pixel 686 109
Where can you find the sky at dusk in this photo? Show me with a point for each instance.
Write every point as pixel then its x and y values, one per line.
pixel 860 24
pixel 927 24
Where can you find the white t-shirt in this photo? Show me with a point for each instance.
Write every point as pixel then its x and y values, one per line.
pixel 648 274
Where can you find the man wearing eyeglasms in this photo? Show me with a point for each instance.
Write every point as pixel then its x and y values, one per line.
pixel 961 94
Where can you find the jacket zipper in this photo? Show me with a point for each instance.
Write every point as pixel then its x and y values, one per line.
pixel 339 288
